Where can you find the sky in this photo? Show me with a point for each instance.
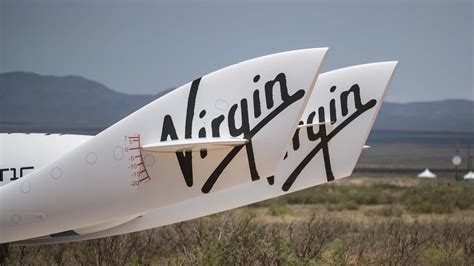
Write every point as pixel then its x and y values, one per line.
pixel 143 47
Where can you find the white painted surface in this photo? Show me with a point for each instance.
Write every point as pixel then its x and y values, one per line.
pixel 92 183
pixel 345 149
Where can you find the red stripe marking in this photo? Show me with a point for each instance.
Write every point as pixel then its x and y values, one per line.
pixel 144 179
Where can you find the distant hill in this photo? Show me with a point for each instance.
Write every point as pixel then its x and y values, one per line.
pixel 446 115
pixel 35 103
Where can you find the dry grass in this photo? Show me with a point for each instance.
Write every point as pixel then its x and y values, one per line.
pixel 237 238
pixel 370 222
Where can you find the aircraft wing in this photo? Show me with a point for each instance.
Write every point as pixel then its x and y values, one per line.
pixel 194 145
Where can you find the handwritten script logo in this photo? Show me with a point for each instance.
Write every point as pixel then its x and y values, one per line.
pixel 322 135
pixel 243 130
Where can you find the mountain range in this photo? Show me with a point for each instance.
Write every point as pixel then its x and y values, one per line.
pixel 71 104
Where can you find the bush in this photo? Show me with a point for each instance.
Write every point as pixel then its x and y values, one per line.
pixel 386 211
pixel 236 238
pixel 350 205
pixel 277 209
pixel 438 198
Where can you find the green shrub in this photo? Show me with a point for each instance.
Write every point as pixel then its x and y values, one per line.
pixel 386 211
pixel 438 197
pixel 434 255
pixel 278 209
pixel 350 205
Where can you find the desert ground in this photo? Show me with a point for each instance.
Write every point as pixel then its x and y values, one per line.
pixel 369 218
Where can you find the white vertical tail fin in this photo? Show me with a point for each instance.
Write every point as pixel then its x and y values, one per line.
pixel 111 175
